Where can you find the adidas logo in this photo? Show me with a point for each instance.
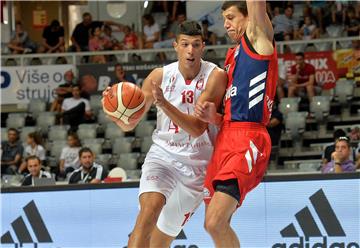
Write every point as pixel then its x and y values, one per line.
pixel 310 228
pixel 22 232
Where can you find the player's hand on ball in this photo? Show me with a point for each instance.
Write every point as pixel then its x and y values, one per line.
pixel 159 99
pixel 205 111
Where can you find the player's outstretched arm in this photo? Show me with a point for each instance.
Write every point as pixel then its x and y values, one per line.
pixel 154 76
pixel 259 30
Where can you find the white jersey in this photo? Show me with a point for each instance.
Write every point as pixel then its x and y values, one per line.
pixel 183 94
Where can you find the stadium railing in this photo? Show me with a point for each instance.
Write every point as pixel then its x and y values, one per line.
pixel 124 56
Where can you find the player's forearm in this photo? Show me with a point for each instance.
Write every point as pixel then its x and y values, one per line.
pixel 189 123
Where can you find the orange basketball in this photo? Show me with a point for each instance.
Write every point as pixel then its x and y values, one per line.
pixel 125 101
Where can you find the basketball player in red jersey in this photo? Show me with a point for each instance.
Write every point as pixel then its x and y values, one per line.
pixel 243 146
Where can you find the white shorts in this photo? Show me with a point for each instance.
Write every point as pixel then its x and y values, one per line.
pixel 181 184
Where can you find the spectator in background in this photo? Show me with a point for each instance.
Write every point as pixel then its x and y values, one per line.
pixel 352 23
pixel 151 32
pixel 75 110
pixel 170 36
pixel 80 35
pixel 97 43
pixel 89 171
pixel 121 76
pixel 130 40
pixel 170 33
pixel 308 30
pixel 340 162
pixel 282 80
pixel 355 134
pixel 326 157
pixel 322 12
pixel 302 76
pixel 209 37
pixel 111 43
pixel 33 148
pixel 53 38
pixel 357 163
pixel 285 25
pixel 69 157
pixel 20 41
pixel 12 152
pixel 63 91
pixel 34 167
pixel 177 7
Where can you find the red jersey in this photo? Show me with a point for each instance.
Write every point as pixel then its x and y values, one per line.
pixel 304 74
pixel 251 84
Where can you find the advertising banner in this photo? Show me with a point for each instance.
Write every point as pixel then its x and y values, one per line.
pixel 102 74
pixel 326 72
pixel 20 84
pixel 347 60
pixel 320 214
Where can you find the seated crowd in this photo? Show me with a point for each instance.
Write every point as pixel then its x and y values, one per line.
pixel 93 35
pixel 76 162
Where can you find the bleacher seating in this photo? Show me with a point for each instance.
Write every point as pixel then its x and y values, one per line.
pixel 128 161
pixel 124 144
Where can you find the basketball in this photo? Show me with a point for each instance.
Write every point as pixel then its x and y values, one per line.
pixel 124 101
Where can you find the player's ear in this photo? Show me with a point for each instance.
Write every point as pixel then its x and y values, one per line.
pixel 175 44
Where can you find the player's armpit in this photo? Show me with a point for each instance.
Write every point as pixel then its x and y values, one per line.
pixel 259 21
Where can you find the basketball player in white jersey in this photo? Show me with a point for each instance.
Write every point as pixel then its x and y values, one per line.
pixel 171 183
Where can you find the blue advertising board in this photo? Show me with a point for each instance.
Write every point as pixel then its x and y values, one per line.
pixel 316 213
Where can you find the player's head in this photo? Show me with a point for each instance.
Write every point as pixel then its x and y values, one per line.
pixel 189 44
pixel 235 16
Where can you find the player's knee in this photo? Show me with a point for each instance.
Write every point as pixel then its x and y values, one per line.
pixel 214 223
pixel 150 213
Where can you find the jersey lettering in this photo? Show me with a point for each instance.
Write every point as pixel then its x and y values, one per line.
pixel 187 96
pixel 173 126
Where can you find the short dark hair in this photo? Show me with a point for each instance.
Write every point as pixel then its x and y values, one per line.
pixel 14 130
pixel 117 65
pixel 190 28
pixel 33 157
pixel 86 14
pixel 300 54
pixel 339 133
pixel 240 5
pixel 149 18
pixel 55 23
pixel 36 137
pixel 85 149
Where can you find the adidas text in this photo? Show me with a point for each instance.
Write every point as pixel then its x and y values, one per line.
pixel 312 244
pixel 231 92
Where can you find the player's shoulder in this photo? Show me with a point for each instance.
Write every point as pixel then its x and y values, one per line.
pixel 218 72
pixel 156 73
